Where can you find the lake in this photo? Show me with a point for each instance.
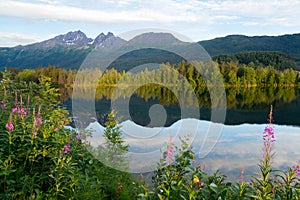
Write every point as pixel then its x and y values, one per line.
pixel 244 105
pixel 154 113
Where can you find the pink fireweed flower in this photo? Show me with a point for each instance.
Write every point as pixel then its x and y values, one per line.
pixel 34 134
pixel 20 111
pixel 9 126
pixel 269 135
pixel 66 149
pixel 273 191
pixel 3 106
pixel 170 151
pixel 78 137
pixel 297 167
pixel 38 120
pixel 14 110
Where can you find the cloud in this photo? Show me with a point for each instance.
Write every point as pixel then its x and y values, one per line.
pixel 13 39
pixel 76 14
pixel 197 19
pixel 267 12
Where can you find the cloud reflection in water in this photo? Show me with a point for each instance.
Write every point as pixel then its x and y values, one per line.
pixel 239 146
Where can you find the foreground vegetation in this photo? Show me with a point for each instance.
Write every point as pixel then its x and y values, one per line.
pixel 40 159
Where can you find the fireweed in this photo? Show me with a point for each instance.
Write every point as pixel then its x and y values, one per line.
pixel 297 168
pixel 274 184
pixel 32 160
pixel 170 151
pixel 181 180
pixel 264 184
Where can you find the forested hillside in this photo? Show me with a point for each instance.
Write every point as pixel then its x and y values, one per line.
pixel 257 59
pixel 288 44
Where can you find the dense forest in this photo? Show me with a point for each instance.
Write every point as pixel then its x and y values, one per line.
pixel 287 44
pixel 233 72
pixel 257 59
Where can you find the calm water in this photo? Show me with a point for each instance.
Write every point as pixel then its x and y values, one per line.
pixel 236 144
pixel 244 105
pixel 230 150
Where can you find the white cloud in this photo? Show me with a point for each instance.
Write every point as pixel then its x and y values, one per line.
pixel 13 39
pixel 76 14
pixel 265 12
pixel 284 13
pixel 49 1
pixel 198 19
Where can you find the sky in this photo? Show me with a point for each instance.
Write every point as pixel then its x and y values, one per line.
pixel 27 21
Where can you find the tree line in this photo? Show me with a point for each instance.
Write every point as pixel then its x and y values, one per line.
pixel 233 74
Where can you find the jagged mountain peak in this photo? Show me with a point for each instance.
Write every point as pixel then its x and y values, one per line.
pixel 73 38
pixel 108 40
pixel 101 37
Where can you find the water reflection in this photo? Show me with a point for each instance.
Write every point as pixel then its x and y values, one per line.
pixel 238 147
pixel 244 105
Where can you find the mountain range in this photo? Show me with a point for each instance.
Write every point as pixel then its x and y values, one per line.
pixel 69 50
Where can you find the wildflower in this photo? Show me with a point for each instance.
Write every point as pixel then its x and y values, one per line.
pixel 197 181
pixel 14 110
pixel 9 126
pixel 170 151
pixel 38 120
pixel 20 111
pixel 66 149
pixel 35 134
pixel 297 167
pixel 268 135
pixel 3 105
pixel 78 137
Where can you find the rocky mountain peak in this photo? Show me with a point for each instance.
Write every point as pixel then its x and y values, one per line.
pixel 77 38
pixel 102 37
pixel 108 40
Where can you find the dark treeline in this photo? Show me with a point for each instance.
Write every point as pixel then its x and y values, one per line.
pixel 233 74
pixel 257 59
pixel 59 76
